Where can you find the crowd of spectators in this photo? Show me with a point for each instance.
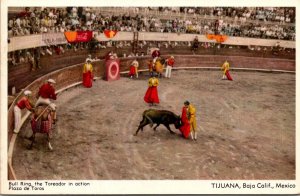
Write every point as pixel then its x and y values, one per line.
pixel 231 21
pixel 273 14
pixel 243 22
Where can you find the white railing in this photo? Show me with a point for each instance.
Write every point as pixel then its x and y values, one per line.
pixel 31 41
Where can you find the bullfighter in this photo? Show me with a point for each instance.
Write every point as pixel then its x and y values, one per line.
pixel 87 75
pixel 191 113
pixel 185 127
pixel 151 95
pixel 225 67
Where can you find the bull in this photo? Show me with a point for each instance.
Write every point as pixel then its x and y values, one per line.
pixel 158 117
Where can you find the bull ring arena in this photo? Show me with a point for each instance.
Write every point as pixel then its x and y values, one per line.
pixel 246 127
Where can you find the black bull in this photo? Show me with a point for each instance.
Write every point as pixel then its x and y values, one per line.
pixel 158 117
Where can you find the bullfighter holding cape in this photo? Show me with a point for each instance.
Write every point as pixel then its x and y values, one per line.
pixel 225 68
pixel 188 120
pixel 192 119
pixel 87 76
pixel 151 95
pixel 185 128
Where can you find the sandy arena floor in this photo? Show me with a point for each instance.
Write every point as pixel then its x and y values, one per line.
pixel 246 130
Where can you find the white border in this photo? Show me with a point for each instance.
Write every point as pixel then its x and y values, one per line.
pixel 137 186
pixel 3 93
pixel 153 3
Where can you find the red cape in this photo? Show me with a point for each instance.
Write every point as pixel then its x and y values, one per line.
pixel 185 128
pixel 131 71
pixel 151 95
pixel 87 79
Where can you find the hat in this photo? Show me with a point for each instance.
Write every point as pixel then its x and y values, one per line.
pixel 27 92
pixel 172 57
pixel 51 81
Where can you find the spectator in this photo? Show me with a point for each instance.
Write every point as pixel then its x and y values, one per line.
pixel 195 45
pixel 37 56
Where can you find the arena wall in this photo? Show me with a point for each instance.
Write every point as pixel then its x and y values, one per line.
pixel 21 75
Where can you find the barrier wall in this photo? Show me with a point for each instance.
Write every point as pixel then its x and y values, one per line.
pixel 182 61
pixel 31 41
pixel 72 75
pixel 20 76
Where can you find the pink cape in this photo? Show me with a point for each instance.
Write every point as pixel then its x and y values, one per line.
pixel 228 75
